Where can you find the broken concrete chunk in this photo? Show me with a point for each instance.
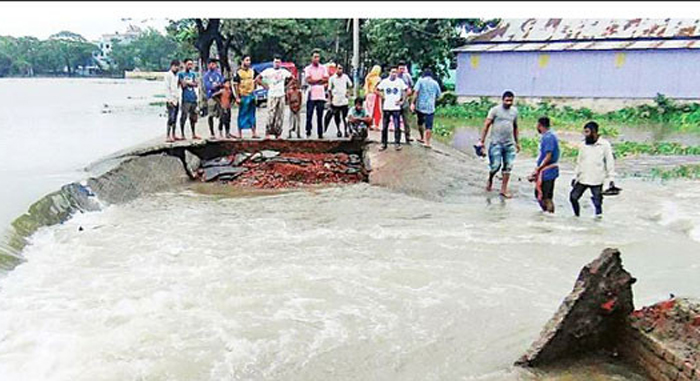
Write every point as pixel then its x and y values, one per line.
pixel 192 163
pixel 269 154
pixel 592 317
pixel 223 161
pixel 213 173
pixel 241 158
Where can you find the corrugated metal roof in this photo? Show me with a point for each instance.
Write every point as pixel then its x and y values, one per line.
pixel 587 34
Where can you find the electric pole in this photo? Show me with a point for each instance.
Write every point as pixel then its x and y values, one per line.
pixel 355 55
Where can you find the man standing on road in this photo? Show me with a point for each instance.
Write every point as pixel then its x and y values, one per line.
pixel 339 86
pixel 188 83
pixel 172 102
pixel 405 107
pixel 504 141
pixel 316 76
pixel 426 92
pixel 595 165
pixel 547 169
pixel 213 81
pixel 273 79
pixel 244 83
pixel 393 91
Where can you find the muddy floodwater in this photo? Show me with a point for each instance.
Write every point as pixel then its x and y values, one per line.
pixel 207 282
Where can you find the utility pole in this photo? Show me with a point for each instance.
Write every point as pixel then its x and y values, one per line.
pixel 355 55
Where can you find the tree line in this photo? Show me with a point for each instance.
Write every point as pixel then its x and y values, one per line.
pixel 421 42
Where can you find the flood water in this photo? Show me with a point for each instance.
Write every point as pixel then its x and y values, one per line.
pixel 341 283
pixel 53 128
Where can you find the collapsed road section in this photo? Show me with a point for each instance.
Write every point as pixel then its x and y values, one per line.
pixel 598 317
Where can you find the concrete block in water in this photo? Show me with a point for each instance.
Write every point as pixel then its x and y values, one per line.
pixel 592 317
pixel 192 163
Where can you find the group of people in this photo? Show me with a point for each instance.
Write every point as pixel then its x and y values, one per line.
pixel 595 163
pixel 389 102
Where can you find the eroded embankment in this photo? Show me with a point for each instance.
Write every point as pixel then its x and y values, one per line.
pixel 274 164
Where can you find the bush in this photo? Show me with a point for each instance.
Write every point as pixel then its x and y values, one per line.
pixel 447 98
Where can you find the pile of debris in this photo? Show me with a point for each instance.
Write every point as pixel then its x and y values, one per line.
pixel 268 169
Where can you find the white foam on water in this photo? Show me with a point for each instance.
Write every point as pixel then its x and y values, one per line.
pixel 345 283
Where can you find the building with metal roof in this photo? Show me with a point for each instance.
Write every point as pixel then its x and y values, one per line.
pixel 584 58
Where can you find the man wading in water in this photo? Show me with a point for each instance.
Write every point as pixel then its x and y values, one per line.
pixel 504 141
pixel 547 169
pixel 595 164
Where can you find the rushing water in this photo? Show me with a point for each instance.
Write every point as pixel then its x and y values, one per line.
pixel 52 128
pixel 352 282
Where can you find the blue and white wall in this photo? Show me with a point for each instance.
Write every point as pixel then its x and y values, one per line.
pixel 582 74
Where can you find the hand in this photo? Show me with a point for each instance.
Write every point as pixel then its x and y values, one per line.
pixel 532 177
pixel 413 107
pixel 399 102
pixel 517 147
pixel 238 101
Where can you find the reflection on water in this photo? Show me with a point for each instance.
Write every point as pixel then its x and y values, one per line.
pixel 339 283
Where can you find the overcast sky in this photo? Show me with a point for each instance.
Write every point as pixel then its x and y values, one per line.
pixel 92 19
pixel 89 27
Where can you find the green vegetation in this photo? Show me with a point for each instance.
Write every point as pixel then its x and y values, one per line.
pixel 62 53
pixel 685 171
pixel 664 111
pixel 530 146
pixel 150 51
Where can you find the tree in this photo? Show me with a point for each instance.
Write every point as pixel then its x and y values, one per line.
pixel 150 51
pixel 73 48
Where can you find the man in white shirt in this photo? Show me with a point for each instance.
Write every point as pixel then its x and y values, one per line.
pixel 393 92
pixel 172 99
pixel 595 165
pixel 339 86
pixel 273 79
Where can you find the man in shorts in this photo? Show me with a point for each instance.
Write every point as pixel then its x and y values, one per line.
pixel 188 84
pixel 502 121
pixel 547 169
pixel 426 92
pixel 213 82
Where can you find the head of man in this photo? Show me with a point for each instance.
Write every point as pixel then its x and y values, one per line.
pixel 339 70
pixel 590 132
pixel 393 73
pixel 174 66
pixel 507 99
pixel 213 64
pixel 543 124
pixel 402 67
pixel 189 65
pixel 428 73
pixel 358 103
pixel 315 57
pixel 245 62
pixel 277 62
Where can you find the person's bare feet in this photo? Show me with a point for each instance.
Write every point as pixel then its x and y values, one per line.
pixel 169 139
pixel 489 185
pixel 506 194
pixel 196 137
pixel 179 138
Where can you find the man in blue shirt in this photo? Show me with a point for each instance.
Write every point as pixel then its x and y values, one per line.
pixel 188 83
pixel 547 169
pixel 213 81
pixel 426 91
